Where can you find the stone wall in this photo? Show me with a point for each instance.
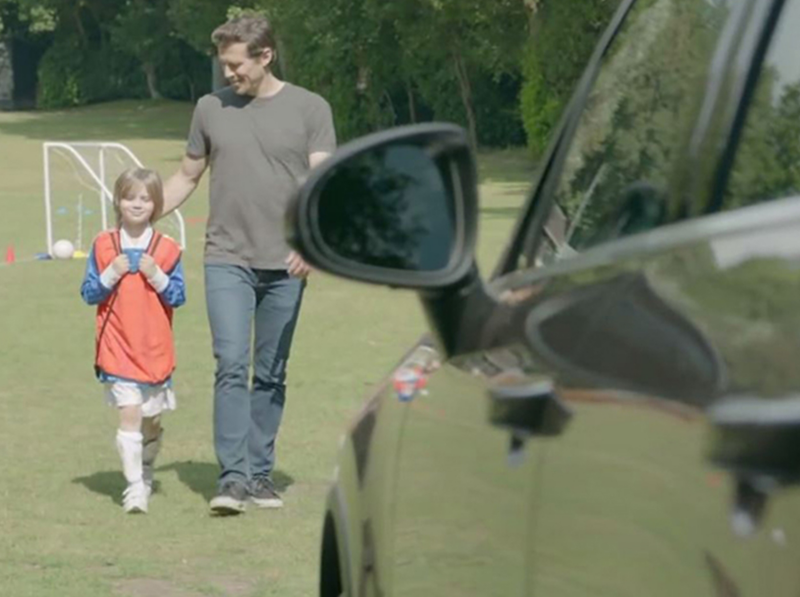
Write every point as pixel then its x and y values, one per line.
pixel 6 77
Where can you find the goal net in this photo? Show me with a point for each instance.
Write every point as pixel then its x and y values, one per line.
pixel 78 186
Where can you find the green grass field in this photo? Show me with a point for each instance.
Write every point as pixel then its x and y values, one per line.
pixel 62 531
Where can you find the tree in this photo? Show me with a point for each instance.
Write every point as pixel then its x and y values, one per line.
pixel 640 111
pixel 382 63
pixel 563 35
pixel 194 21
pixel 767 164
pixel 341 53
pixel 449 44
pixel 379 64
pixel 143 30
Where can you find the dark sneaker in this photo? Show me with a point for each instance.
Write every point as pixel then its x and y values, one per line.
pixel 231 499
pixel 263 494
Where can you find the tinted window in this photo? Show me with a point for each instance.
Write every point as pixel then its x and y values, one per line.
pixel 767 165
pixel 635 126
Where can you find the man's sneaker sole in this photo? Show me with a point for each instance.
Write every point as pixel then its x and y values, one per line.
pixel 272 503
pixel 224 505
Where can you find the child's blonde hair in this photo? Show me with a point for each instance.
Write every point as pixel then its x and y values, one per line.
pixel 152 183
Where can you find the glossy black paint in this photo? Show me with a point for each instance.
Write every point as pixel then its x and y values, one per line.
pixel 621 419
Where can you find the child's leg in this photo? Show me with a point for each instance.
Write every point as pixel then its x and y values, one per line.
pixel 129 446
pixel 152 433
pixel 129 442
pixel 130 417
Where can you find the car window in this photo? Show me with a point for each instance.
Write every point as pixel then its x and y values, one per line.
pixel 633 128
pixel 767 163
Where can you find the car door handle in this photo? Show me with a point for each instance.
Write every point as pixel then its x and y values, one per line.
pixel 757 438
pixel 528 410
pixel 758 441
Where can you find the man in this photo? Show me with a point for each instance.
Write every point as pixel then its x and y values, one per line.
pixel 260 136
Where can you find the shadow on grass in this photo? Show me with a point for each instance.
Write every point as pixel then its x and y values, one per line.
pixel 110 483
pixel 200 477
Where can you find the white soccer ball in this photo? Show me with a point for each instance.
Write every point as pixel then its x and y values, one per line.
pixel 63 249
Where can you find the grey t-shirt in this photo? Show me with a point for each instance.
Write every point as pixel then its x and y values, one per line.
pixel 258 150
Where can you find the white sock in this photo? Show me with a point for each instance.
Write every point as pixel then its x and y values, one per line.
pixel 129 446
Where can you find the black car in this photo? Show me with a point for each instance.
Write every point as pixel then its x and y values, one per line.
pixel 616 411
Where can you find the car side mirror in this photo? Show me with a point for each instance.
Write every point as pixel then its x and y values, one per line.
pixel 397 208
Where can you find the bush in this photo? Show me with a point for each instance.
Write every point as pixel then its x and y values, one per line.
pixel 497 111
pixel 59 73
pixel 184 74
pixel 71 76
pixel 494 100
pixel 560 46
pixel 540 106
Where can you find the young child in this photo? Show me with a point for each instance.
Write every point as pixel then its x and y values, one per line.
pixel 134 276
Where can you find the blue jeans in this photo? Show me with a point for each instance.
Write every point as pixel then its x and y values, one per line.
pixel 246 420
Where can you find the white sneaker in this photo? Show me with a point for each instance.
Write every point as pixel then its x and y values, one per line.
pixel 134 498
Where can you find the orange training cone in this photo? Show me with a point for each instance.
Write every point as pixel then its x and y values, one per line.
pixel 10 255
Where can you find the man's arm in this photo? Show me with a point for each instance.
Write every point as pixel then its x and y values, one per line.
pixel 181 184
pixel 316 158
pixel 321 143
pixel 296 266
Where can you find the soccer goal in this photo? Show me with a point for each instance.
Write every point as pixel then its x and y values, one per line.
pixel 78 178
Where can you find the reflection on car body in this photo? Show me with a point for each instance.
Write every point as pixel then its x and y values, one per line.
pixel 617 410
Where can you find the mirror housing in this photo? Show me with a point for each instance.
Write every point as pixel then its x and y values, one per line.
pixel 395 199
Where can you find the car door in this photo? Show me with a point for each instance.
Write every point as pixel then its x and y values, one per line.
pixel 664 313
pixel 463 487
pixel 469 471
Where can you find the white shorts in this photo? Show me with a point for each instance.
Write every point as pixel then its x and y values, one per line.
pixel 153 399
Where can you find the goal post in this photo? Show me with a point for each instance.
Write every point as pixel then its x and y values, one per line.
pixel 93 167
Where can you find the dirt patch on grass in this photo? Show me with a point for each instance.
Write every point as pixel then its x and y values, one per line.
pixel 232 587
pixel 151 587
